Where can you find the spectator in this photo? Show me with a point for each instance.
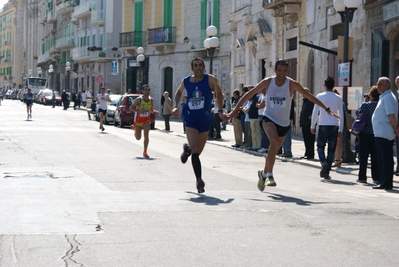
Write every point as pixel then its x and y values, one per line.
pixel 366 139
pixel 167 110
pixel 304 122
pixel 385 128
pixel 254 123
pixel 236 120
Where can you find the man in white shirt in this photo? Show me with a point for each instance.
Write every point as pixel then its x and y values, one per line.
pixel 330 128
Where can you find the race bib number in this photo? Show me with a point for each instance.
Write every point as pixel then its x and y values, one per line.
pixel 277 102
pixel 196 103
pixel 145 114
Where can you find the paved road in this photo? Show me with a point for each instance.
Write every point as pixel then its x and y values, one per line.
pixel 71 195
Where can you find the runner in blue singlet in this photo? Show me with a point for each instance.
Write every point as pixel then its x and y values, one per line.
pixel 29 97
pixel 197 114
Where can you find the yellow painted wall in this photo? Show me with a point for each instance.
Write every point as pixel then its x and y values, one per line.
pixel 127 16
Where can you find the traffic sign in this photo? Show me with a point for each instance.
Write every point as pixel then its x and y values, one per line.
pixel 99 79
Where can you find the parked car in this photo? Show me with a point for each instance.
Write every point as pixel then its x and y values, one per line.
pixel 109 116
pixel 11 94
pixel 46 97
pixel 123 116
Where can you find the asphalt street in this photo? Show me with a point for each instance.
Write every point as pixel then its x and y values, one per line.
pixel 71 195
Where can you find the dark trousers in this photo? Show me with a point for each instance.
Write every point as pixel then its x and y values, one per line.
pixel 53 100
pixel 167 124
pixel 308 139
pixel 384 153
pixel 366 148
pixel 215 127
pixel 327 135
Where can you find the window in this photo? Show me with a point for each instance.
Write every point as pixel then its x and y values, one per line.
pixel 292 44
pixel 337 30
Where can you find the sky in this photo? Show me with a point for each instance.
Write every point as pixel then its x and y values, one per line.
pixel 2 2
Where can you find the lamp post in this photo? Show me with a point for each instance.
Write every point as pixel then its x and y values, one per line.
pixel 68 69
pixel 211 43
pixel 30 73
pixel 140 58
pixel 346 9
pixel 39 71
pixel 51 71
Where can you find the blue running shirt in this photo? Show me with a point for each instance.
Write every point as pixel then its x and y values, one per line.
pixel 199 98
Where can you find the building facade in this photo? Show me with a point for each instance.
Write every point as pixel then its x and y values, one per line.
pixel 8 70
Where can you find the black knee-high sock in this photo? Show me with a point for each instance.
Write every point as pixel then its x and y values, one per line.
pixel 195 161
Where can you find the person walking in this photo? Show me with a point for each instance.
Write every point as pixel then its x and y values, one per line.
pixel 279 90
pixel 84 98
pixel 167 110
pixel 215 129
pixel 198 118
pixel 65 99
pixel 253 114
pixel 366 139
pixel 305 119
pixel 102 100
pixel 53 98
pixel 74 99
pixel 385 128
pixel 330 128
pixel 143 107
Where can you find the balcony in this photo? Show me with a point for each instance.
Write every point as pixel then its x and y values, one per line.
pixel 65 43
pixel 81 11
pixel 45 57
pixel 282 7
pixel 80 53
pixel 51 18
pixel 106 54
pixel 97 17
pixel 162 36
pixel 131 39
pixel 65 7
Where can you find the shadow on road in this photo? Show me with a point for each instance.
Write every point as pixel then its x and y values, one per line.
pixel 295 200
pixel 207 200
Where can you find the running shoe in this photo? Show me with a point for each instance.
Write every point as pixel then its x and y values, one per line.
pixel 261 182
pixel 145 155
pixel 186 153
pixel 200 186
pixel 270 181
pixel 102 129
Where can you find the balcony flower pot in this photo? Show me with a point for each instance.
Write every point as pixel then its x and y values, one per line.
pixel 99 48
pixel 101 54
pixel 114 48
pixel 35 57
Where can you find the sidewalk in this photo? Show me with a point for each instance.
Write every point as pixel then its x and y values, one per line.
pixel 298 147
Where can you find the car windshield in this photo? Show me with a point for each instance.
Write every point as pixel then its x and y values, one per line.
pixel 131 100
pixel 114 100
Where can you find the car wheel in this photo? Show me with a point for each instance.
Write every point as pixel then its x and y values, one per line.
pixel 121 123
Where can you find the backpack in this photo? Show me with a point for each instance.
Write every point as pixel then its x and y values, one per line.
pixel 358 124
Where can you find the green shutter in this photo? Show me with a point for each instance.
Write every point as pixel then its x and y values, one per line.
pixel 216 14
pixel 168 13
pixel 138 24
pixel 203 20
pixel 63 58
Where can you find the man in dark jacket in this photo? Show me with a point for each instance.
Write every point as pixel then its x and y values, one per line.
pixel 65 100
pixel 304 123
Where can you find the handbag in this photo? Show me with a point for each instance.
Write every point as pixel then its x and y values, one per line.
pixel 358 124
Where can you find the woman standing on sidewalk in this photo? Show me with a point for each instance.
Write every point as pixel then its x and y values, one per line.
pixel 366 139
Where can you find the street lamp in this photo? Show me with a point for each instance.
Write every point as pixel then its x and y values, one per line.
pixel 346 9
pixel 68 69
pixel 39 71
pixel 30 73
pixel 211 43
pixel 51 71
pixel 140 58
